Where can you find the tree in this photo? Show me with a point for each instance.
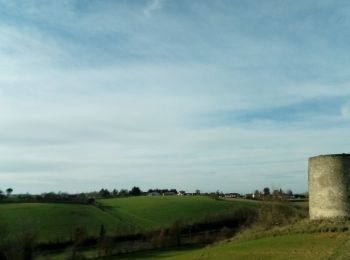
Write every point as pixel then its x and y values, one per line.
pixel 104 193
pixel 256 194
pixel 9 191
pixel 278 194
pixel 173 190
pixel 175 233
pixel 102 230
pixel 79 236
pixel 266 191
pixel 289 192
pixel 2 196
pixel 135 191
pixel 123 192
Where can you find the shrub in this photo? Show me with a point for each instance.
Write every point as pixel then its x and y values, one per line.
pixel 19 247
pixel 279 214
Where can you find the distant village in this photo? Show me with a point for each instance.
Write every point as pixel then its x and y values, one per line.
pixel 89 197
pixel 278 194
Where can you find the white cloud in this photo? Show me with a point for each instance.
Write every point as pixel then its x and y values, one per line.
pixel 139 121
pixel 345 111
pixel 153 6
pixel 25 48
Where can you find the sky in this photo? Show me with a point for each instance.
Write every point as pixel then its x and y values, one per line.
pixel 212 95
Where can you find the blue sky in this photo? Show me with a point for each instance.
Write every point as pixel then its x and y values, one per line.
pixel 210 95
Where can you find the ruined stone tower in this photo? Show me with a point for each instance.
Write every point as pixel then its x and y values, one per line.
pixel 329 186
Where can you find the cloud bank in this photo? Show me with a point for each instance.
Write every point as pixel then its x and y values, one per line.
pixel 193 95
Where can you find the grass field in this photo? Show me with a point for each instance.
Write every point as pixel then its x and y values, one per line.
pixel 294 246
pixel 146 213
pixel 54 221
pixel 301 240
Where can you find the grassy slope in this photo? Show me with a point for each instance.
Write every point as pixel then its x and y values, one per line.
pixel 153 212
pixel 294 246
pixel 57 220
pixel 303 240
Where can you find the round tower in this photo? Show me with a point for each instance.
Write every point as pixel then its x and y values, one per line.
pixel 329 186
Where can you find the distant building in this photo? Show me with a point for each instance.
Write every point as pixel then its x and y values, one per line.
pixel 153 193
pixel 232 195
pixel 249 196
pixel 169 193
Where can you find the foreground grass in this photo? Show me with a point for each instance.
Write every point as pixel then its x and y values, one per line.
pixel 271 238
pixel 294 246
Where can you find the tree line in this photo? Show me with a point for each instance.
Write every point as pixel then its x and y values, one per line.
pixel 276 194
pixel 4 195
pixel 84 197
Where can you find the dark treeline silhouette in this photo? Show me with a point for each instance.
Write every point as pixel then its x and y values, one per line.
pixel 7 195
pixel 82 198
pixel 275 194
pixel 105 193
pixel 56 197
pixel 162 191
pixel 135 191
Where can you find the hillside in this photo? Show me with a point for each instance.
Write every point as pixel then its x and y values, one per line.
pixel 55 221
pixel 303 240
pixel 294 246
pixel 147 212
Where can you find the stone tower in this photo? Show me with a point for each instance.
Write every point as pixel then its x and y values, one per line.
pixel 329 186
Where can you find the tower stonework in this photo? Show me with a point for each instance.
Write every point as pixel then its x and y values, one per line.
pixel 329 186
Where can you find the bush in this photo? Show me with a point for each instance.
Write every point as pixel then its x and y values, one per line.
pixel 19 247
pixel 272 214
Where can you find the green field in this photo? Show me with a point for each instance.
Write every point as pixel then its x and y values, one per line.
pixel 294 246
pixel 53 221
pixel 144 213
pixel 302 240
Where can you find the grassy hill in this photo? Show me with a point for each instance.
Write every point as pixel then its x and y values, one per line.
pixel 144 213
pixel 293 246
pixel 54 221
pixel 303 240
